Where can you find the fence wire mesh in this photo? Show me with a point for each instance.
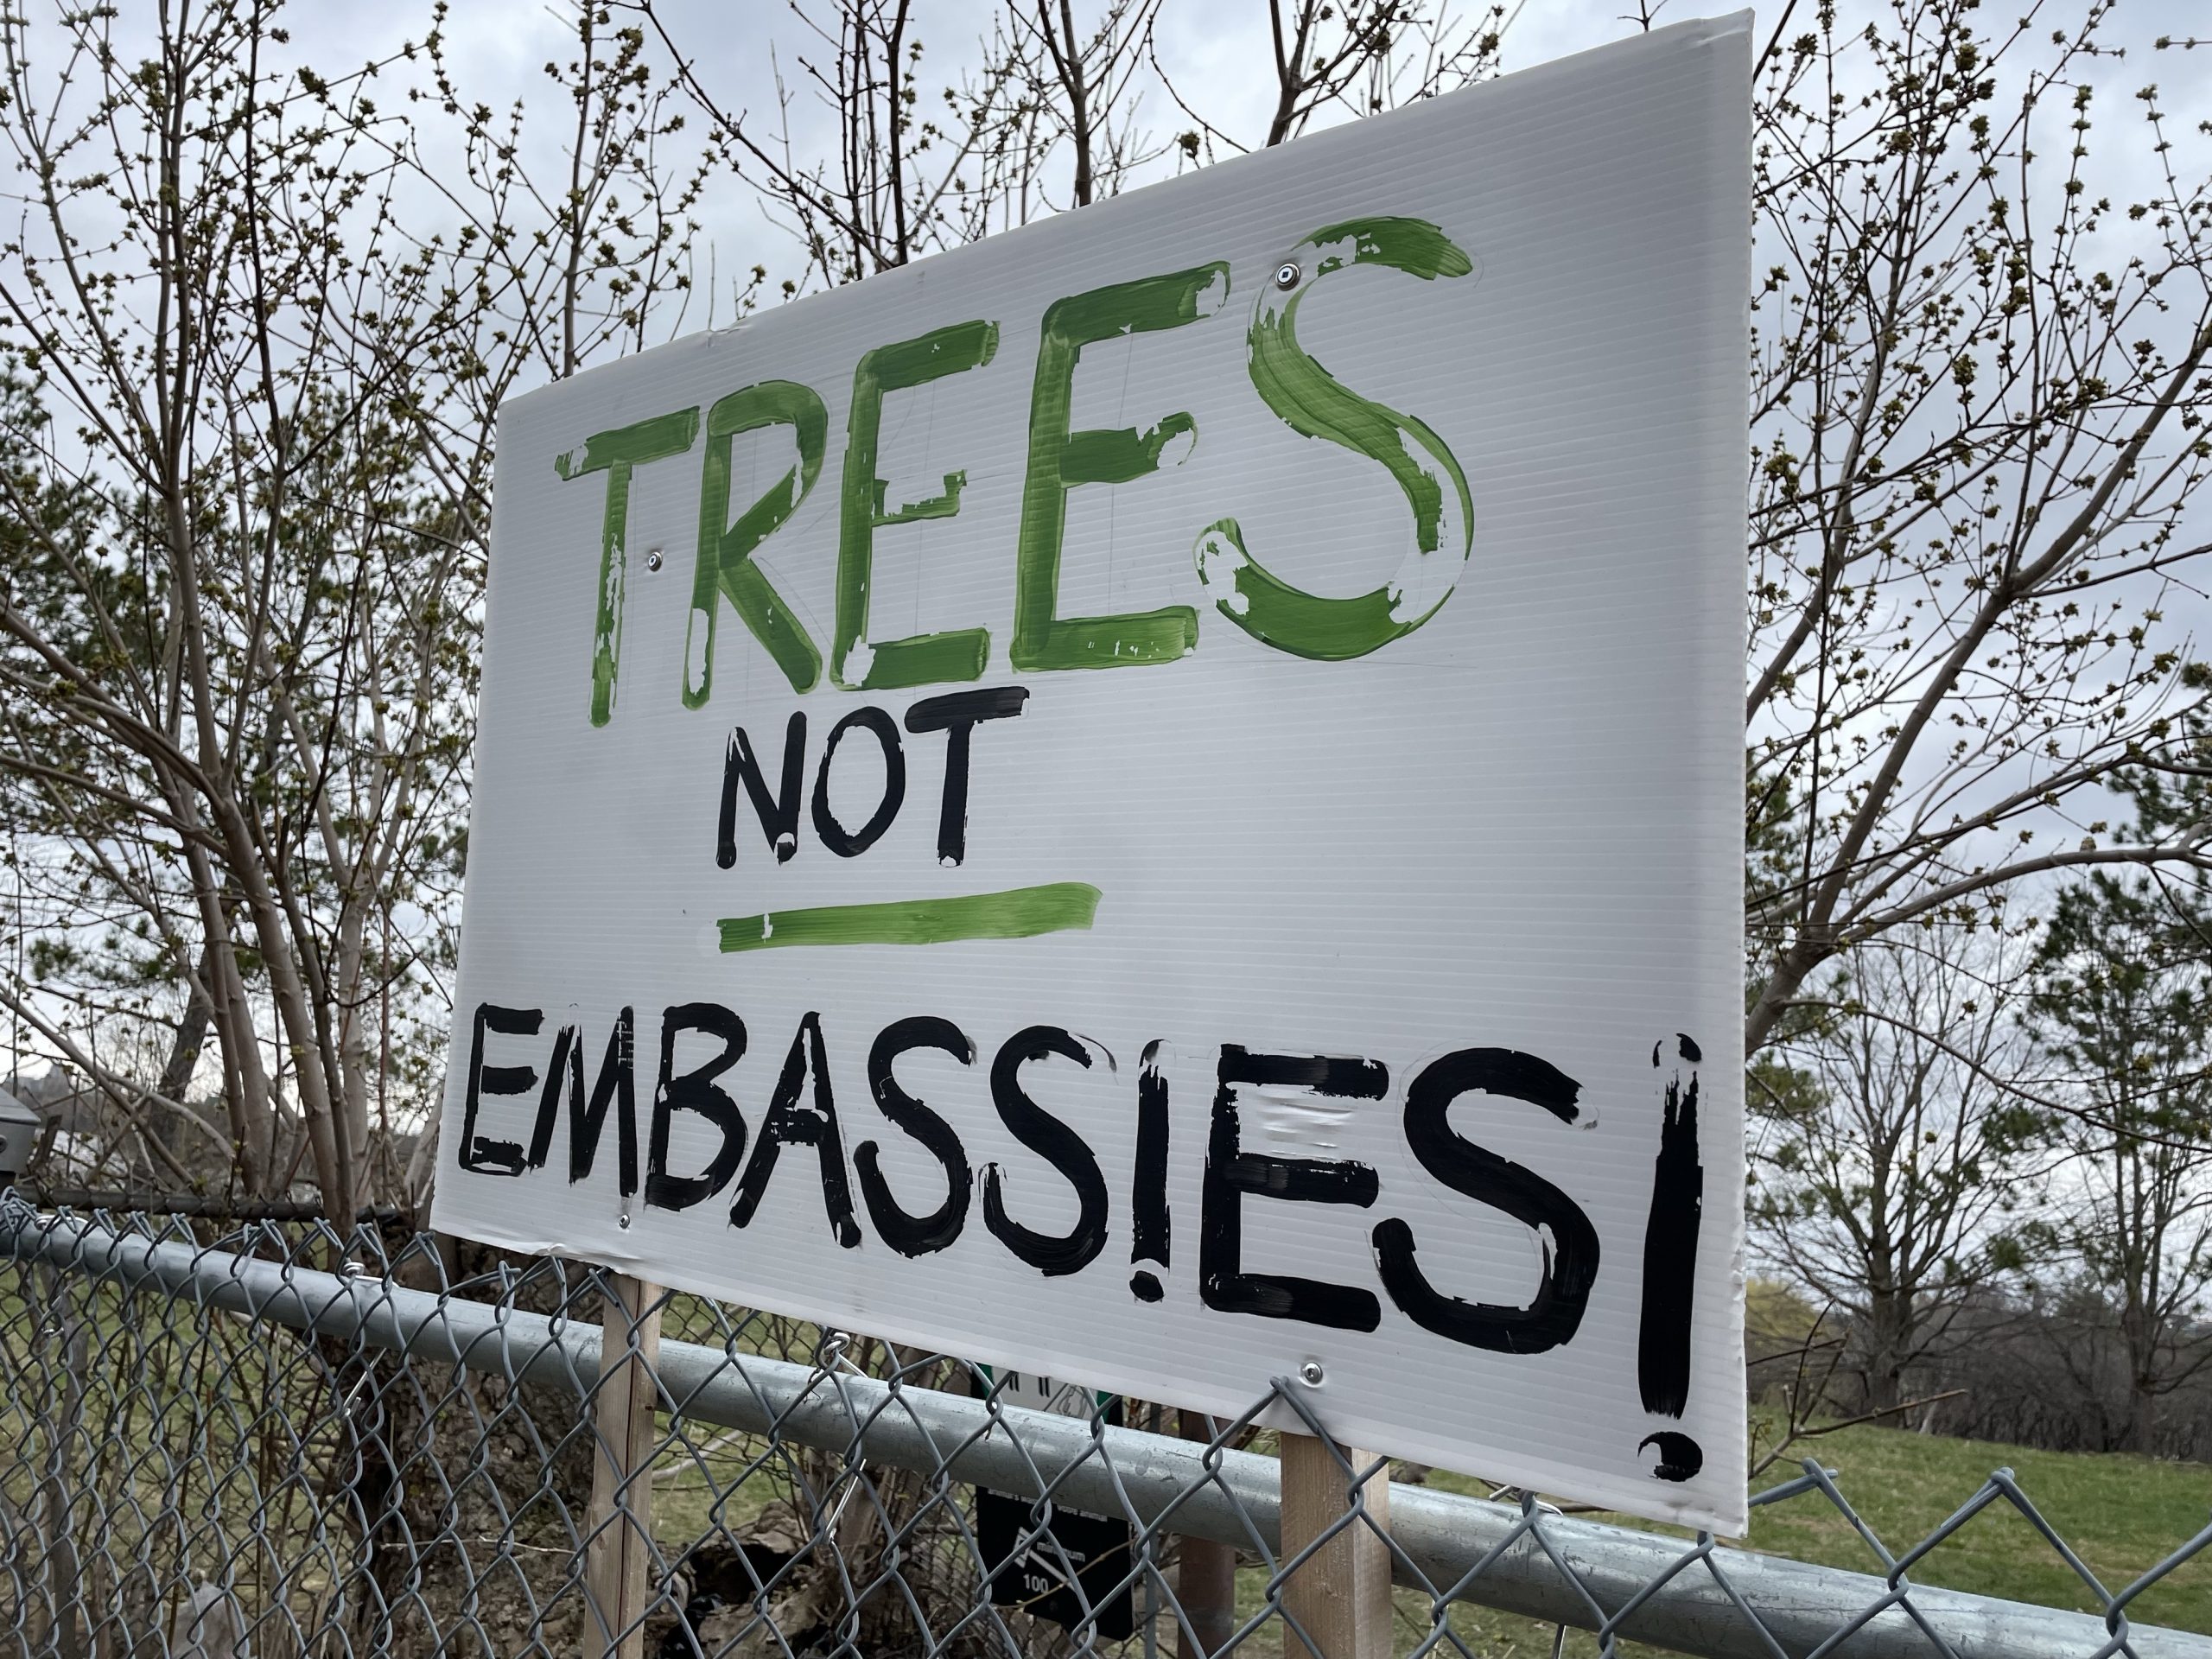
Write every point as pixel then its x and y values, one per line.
pixel 275 1440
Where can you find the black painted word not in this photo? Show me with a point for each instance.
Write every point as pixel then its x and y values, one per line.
pixel 777 809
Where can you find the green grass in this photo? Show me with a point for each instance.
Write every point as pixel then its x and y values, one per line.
pixel 2121 1514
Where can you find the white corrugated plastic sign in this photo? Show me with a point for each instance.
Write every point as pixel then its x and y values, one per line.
pixel 1159 798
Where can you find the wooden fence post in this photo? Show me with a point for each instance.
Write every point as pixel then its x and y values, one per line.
pixel 1341 1596
pixel 621 1478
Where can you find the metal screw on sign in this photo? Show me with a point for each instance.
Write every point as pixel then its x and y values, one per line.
pixel 653 559
pixel 1286 274
pixel 1310 1373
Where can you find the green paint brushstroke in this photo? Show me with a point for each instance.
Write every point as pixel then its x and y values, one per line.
pixel 1412 245
pixel 1314 403
pixel 1060 460
pixel 955 654
pixel 725 566
pixel 617 452
pixel 1019 913
pixel 933 507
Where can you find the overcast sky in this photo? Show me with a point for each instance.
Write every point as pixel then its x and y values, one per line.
pixel 1217 51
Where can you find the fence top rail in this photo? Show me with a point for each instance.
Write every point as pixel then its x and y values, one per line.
pixel 1700 1598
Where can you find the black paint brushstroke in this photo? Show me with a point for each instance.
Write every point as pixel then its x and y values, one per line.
pixel 1336 1076
pixel 1508 1072
pixel 694 1091
pixel 1058 1145
pixel 1149 1225
pixel 789 1123
pixel 956 716
pixel 1680 1458
pixel 1566 1238
pixel 617 1081
pixel 1670 1236
pixel 566 1058
pixel 1232 1173
pixel 778 813
pixel 909 1234
pixel 849 843
pixel 479 1154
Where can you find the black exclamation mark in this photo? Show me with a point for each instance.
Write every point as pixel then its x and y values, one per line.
pixel 1662 1358
pixel 1149 1196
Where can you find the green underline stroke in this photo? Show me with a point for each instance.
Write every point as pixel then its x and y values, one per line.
pixel 1019 913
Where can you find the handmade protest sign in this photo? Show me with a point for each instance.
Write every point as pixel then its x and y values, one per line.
pixel 1159 798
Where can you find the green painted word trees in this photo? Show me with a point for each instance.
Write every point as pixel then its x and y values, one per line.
pixel 1295 388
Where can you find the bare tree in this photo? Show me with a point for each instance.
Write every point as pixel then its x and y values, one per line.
pixel 900 181
pixel 1891 1146
pixel 1978 402
pixel 1354 53
pixel 240 668
pixel 1091 100
pixel 1352 61
pixel 1049 114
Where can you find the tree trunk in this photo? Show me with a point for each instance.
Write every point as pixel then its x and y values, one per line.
pixel 2140 1338
pixel 2142 1416
pixel 191 1036
pixel 1890 1305
pixel 1891 1322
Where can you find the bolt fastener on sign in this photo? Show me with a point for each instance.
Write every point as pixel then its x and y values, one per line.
pixel 1310 1373
pixel 1286 274
pixel 653 559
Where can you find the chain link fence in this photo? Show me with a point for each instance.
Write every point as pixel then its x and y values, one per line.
pixel 273 1439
